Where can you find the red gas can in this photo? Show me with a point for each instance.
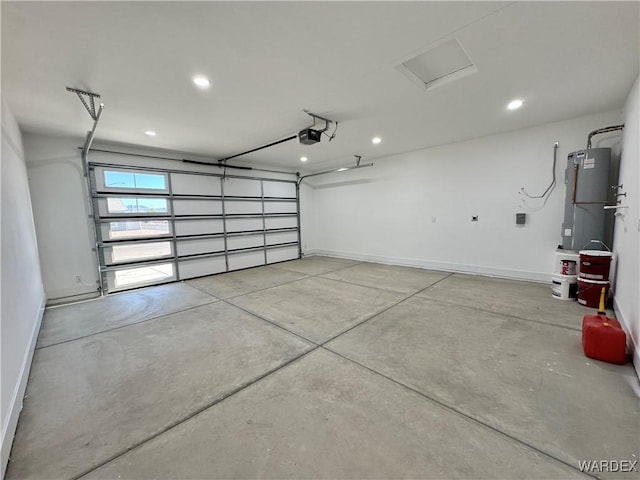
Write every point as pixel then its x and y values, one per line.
pixel 603 339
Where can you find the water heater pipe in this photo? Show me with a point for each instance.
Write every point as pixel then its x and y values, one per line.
pixel 575 184
pixel 612 128
pixel 575 190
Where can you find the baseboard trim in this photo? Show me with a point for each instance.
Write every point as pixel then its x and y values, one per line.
pixel 80 297
pixel 538 277
pixel 17 398
pixel 631 343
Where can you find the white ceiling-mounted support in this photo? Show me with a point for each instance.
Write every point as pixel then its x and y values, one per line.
pixel 326 121
pixel 91 133
pixel 93 208
pixel 315 117
pixel 335 170
pixel 91 106
pixel 95 116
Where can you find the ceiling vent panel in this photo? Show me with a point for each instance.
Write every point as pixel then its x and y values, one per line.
pixel 438 65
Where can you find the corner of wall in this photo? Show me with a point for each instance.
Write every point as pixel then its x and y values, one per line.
pixel 17 398
pixel 632 343
pixel 23 297
pixel 626 243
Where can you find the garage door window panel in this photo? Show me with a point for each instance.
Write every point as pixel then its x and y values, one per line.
pixel 116 180
pixel 157 226
pixel 135 252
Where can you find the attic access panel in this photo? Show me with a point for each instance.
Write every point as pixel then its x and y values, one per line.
pixel 438 65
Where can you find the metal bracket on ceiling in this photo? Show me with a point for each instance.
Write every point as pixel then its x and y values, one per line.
pixel 93 208
pixel 91 106
pixel 315 117
pixel 334 170
pixel 95 116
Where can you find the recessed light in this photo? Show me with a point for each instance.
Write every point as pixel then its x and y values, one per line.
pixel 341 169
pixel 151 133
pixel 515 104
pixel 376 140
pixel 201 81
pixel 303 159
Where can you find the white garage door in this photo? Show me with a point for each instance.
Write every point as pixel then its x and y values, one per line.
pixel 155 226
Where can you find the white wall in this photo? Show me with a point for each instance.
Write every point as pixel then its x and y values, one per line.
pixel 626 245
pixel 386 213
pixel 61 210
pixel 61 215
pixel 21 292
pixel 307 218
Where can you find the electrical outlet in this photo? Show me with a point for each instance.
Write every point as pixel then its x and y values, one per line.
pixel 474 218
pixel 78 279
pixel 433 219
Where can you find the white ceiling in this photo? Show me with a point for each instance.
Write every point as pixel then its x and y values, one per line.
pixel 270 60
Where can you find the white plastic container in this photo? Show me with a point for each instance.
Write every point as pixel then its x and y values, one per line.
pixel 568 267
pixel 564 259
pixel 564 287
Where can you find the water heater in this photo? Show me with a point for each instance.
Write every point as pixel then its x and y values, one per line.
pixel 588 188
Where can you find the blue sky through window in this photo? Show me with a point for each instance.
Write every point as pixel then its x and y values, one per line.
pixel 146 181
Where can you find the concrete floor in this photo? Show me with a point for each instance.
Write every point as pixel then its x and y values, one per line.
pixel 323 368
